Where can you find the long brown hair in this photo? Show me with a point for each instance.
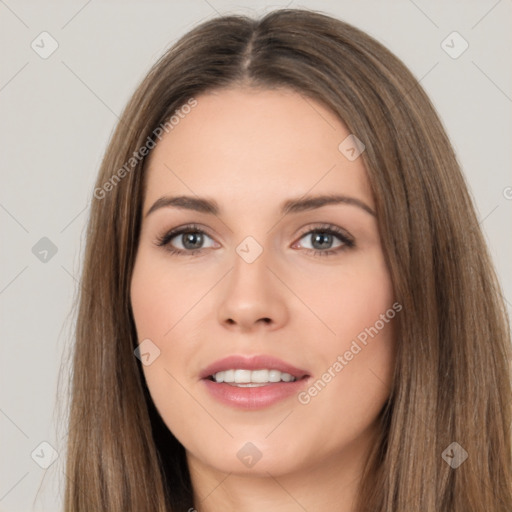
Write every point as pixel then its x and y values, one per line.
pixel 452 376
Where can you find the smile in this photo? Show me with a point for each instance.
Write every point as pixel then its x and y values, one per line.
pixel 252 378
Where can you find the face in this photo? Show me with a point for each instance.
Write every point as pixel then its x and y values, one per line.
pixel 290 301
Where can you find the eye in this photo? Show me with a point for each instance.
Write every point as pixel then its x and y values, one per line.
pixel 190 237
pixel 323 237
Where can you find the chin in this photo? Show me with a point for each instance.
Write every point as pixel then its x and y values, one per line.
pixel 250 455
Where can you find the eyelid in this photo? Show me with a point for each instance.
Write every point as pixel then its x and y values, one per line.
pixel 330 228
pixel 168 235
pixel 345 237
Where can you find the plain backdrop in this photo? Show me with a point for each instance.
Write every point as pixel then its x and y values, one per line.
pixel 57 114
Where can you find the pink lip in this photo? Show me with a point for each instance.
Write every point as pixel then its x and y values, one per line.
pixel 252 363
pixel 253 397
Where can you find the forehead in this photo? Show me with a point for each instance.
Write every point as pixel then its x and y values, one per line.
pixel 257 146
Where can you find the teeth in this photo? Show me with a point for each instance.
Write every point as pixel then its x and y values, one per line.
pixel 242 376
pixel 252 378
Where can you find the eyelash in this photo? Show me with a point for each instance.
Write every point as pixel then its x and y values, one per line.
pixel 329 229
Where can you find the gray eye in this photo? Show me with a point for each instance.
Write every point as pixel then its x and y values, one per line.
pixel 190 240
pixel 321 240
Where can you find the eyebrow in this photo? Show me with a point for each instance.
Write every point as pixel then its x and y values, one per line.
pixel 301 204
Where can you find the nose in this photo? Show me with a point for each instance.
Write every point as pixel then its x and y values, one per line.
pixel 253 296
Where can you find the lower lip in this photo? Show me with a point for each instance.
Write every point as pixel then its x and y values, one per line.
pixel 253 397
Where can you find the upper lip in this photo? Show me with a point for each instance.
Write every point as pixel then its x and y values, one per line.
pixel 252 363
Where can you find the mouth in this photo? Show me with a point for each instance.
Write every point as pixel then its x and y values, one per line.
pixel 253 378
pixel 256 369
pixel 253 382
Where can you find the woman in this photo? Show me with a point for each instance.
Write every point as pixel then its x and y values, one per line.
pixel 221 360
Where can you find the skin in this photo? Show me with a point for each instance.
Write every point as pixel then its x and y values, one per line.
pixel 250 151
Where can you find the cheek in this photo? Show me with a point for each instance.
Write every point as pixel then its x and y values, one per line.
pixel 159 298
pixel 347 300
pixel 356 358
pixel 165 306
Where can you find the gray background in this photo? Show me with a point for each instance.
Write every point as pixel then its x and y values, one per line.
pixel 56 118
